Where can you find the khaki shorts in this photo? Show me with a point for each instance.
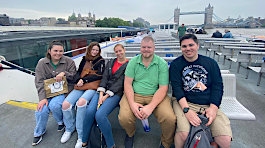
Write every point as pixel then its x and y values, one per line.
pixel 219 127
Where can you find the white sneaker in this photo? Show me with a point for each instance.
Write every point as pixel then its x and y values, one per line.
pixel 66 136
pixel 78 143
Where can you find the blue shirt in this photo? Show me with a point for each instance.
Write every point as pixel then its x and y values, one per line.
pixel 228 35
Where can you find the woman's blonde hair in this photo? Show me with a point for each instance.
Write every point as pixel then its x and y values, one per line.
pixel 118 45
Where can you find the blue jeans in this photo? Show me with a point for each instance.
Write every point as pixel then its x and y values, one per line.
pixel 69 118
pixel 55 106
pixel 101 117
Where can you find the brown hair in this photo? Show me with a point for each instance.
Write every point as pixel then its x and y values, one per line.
pixel 54 42
pixel 88 55
pixel 118 45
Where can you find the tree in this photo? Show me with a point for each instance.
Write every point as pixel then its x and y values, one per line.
pixel 61 20
pixel 137 24
pixel 111 22
pixel 72 18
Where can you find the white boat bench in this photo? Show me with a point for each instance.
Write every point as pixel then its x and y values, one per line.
pixel 156 44
pixel 202 40
pixel 249 58
pixel 169 53
pixel 231 107
pixel 220 48
pixel 231 52
pixel 208 44
pixel 259 70
pixel 156 48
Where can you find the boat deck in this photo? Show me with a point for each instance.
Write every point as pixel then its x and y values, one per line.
pixel 17 124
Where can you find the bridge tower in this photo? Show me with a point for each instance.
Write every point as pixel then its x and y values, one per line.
pixel 176 16
pixel 208 17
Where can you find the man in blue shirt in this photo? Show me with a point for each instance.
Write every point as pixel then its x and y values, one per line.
pixel 197 83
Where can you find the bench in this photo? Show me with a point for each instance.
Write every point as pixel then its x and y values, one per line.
pixel 249 58
pixel 222 51
pixel 156 44
pixel 159 53
pixel 231 52
pixel 208 44
pixel 202 40
pixel 167 59
pixel 259 70
pixel 230 105
pixel 156 48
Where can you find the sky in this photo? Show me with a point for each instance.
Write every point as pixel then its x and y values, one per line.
pixel 153 11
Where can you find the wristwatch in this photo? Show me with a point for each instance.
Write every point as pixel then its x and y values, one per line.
pixel 185 110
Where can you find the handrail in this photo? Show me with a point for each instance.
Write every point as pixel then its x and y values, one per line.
pixel 14 66
pixel 75 50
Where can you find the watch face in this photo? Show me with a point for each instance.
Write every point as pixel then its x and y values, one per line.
pixel 185 110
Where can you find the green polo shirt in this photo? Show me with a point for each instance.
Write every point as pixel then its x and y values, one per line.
pixel 146 81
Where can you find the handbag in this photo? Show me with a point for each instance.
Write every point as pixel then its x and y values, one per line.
pixel 53 88
pixel 96 138
pixel 88 71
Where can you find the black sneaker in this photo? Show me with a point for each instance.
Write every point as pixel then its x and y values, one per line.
pixel 161 145
pixel 61 127
pixel 36 140
pixel 128 142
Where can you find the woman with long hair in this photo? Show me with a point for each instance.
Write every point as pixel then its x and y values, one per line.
pixel 88 76
pixel 107 97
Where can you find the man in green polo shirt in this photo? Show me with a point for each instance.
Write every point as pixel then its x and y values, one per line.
pixel 145 86
pixel 181 31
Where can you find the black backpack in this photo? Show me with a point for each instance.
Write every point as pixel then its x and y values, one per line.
pixel 96 138
pixel 200 136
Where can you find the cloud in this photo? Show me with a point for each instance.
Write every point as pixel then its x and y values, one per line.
pixel 30 14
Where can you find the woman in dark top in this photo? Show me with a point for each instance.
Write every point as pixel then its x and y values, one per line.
pixel 94 62
pixel 107 97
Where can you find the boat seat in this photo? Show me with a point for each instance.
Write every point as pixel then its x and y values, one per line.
pixel 225 71
pixel 235 110
pixel 231 107
pixel 259 70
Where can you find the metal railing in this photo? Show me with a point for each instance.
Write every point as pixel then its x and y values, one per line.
pixel 14 66
pixel 26 70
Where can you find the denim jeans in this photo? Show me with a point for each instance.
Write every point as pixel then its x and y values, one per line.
pixel 101 117
pixel 69 117
pixel 55 106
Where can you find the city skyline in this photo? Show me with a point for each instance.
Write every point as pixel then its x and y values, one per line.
pixel 153 12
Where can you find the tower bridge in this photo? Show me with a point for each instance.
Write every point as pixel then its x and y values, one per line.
pixel 208 20
pixel 208 15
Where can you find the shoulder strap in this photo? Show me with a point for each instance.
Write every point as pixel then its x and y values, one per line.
pixel 97 62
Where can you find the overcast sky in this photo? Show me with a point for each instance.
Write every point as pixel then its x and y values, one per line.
pixel 154 11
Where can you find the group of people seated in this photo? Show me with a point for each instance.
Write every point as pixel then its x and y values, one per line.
pixel 218 34
pixel 142 83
